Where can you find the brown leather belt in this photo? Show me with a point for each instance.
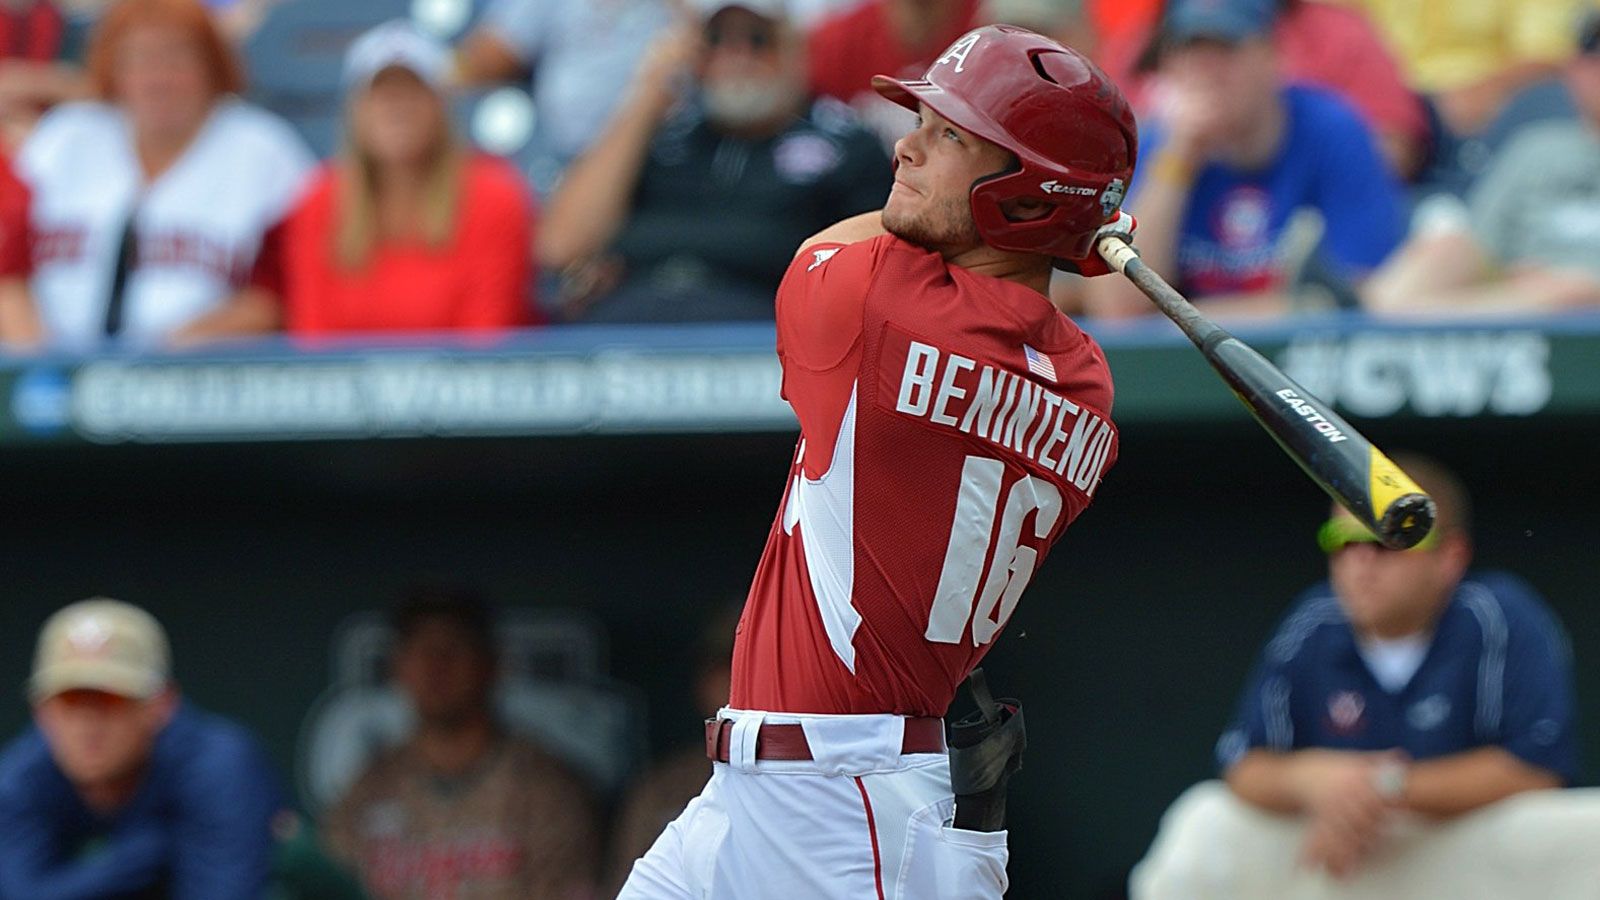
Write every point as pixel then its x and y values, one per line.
pixel 788 742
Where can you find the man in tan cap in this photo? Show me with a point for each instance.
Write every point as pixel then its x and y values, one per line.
pixel 122 789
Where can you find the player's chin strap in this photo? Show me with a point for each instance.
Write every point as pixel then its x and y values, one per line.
pixel 985 749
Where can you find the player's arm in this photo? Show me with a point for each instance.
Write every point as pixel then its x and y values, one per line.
pixel 863 227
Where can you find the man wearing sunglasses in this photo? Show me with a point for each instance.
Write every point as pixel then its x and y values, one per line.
pixel 716 166
pixel 1403 684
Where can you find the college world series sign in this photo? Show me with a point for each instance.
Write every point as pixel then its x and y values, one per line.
pixel 726 379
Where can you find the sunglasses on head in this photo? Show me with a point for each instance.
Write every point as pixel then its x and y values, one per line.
pixel 1340 532
pixel 757 37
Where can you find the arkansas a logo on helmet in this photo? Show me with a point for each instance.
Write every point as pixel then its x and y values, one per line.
pixel 1067 124
pixel 957 53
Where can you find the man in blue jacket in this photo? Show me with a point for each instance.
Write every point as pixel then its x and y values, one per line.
pixel 122 789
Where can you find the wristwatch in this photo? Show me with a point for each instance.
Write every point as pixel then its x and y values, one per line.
pixel 1389 779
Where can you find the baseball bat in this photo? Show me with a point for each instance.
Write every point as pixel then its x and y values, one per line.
pixel 1338 458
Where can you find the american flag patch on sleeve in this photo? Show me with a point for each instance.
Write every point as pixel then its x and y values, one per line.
pixel 1039 364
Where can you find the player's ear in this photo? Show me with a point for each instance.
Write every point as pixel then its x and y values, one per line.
pixel 164 706
pixel 1024 209
pixel 1457 551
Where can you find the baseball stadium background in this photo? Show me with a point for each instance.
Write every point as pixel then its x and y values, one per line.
pixel 258 498
pixel 638 492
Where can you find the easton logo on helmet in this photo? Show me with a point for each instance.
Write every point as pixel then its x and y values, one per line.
pixel 1111 198
pixel 1055 187
pixel 958 51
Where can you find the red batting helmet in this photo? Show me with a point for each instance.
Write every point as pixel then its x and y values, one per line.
pixel 1070 128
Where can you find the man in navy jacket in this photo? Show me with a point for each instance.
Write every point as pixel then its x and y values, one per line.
pixel 122 789
pixel 1403 684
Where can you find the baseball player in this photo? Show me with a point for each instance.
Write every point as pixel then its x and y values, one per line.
pixel 953 424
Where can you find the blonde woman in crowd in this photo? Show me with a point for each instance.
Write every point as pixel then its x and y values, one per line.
pixel 407 230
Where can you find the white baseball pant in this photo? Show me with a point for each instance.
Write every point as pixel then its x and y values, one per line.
pixel 859 821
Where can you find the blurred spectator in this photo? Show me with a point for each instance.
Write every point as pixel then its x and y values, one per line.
pixel 1470 56
pixel 240 18
pixel 80 16
pixel 1529 240
pixel 30 30
pixel 665 790
pixel 33 37
pixel 1233 157
pixel 18 326
pixel 581 53
pixel 690 207
pixel 882 37
pixel 123 790
pixel 1400 692
pixel 462 809
pixel 302 867
pixel 1402 686
pixel 1324 44
pixel 148 206
pixel 1062 20
pixel 1113 21
pixel 806 13
pixel 408 230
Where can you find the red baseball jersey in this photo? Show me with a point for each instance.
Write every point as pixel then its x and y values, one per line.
pixel 952 425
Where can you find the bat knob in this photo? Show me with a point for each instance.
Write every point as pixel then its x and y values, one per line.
pixel 1406 522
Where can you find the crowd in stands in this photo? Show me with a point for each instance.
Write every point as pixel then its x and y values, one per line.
pixel 1297 155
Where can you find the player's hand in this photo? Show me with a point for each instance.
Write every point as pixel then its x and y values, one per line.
pixel 1123 226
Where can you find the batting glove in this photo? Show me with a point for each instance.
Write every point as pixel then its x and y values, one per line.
pixel 1123 226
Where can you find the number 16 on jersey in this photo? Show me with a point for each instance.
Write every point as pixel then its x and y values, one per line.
pixel 974 539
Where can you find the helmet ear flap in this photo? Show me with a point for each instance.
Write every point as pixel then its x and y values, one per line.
pixel 1053 234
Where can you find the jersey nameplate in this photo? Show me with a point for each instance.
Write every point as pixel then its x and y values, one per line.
pixel 1008 410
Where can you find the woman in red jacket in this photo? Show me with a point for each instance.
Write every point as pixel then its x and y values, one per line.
pixel 405 230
